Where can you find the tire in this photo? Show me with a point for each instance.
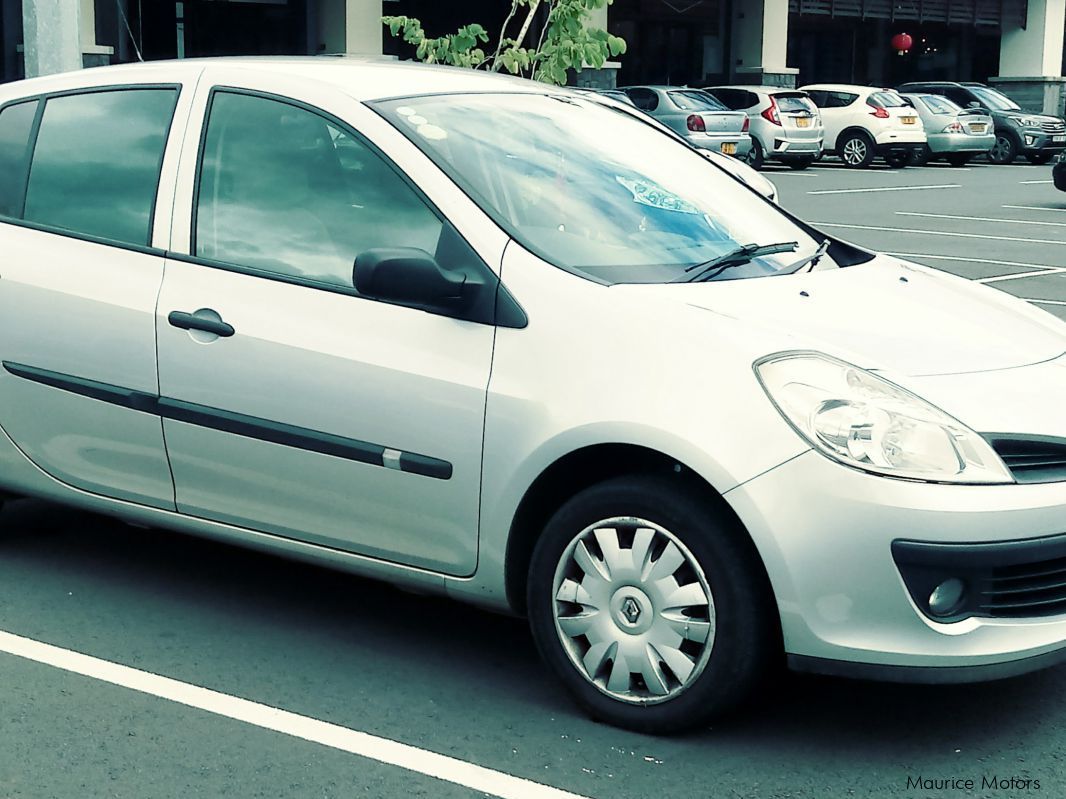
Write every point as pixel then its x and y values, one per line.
pixel 800 163
pixel 1038 159
pixel 1005 150
pixel 922 156
pixel 856 150
pixel 619 608
pixel 897 159
pixel 958 159
pixel 755 157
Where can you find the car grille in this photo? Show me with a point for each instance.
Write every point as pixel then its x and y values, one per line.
pixel 1025 590
pixel 1054 127
pixel 1005 579
pixel 1031 459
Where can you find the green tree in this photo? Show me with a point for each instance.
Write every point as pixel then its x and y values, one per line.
pixel 565 41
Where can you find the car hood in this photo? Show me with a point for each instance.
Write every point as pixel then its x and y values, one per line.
pixel 883 315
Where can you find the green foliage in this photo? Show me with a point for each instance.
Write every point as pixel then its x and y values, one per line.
pixel 565 43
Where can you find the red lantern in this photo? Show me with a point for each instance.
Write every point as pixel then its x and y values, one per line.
pixel 902 42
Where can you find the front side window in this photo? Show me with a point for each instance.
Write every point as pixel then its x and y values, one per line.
pixel 285 190
pixel 96 162
pixel 634 206
pixel 16 125
pixel 990 98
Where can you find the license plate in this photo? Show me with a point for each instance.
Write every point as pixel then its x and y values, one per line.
pixel 803 122
pixel 729 148
pixel 977 128
pixel 1058 138
pixel 908 120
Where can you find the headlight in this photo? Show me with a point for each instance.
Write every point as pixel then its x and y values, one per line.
pixel 864 421
pixel 1027 122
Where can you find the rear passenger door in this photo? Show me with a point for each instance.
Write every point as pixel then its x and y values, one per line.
pixel 81 265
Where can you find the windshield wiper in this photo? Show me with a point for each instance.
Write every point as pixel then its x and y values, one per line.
pixel 813 260
pixel 743 254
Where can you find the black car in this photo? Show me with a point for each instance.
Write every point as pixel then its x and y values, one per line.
pixel 1038 137
pixel 1058 174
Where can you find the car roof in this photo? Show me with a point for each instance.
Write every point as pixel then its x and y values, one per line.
pixel 937 83
pixel 364 78
pixel 760 89
pixel 840 87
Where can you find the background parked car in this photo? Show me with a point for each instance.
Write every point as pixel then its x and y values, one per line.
pixel 952 133
pixel 1036 136
pixel 785 124
pixel 1058 174
pixel 862 122
pixel 697 116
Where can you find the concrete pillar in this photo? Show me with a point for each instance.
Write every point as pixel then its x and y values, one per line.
pixel 760 43
pixel 606 77
pixel 1030 59
pixel 92 54
pixel 349 26
pixel 51 31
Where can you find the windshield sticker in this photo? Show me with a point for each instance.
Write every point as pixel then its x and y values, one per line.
pixel 655 197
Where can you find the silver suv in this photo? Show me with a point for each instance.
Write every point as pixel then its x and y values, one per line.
pixel 785 124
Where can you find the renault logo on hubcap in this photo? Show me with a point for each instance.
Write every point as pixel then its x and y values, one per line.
pixel 631 610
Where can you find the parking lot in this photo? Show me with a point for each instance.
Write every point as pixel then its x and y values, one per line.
pixel 446 679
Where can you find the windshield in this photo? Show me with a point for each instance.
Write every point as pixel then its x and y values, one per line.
pixel 593 190
pixel 993 99
pixel 789 103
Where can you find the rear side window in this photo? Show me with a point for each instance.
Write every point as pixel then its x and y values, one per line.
pixel 734 99
pixel 96 163
pixel 16 125
pixel 840 99
pixel 644 99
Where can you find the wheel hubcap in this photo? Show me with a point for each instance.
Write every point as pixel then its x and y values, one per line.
pixel 633 610
pixel 854 151
pixel 1000 148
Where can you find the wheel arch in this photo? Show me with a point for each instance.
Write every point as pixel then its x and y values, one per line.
pixel 848 131
pixel 585 467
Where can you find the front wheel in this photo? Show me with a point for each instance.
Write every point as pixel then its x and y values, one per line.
pixel 755 157
pixel 1004 151
pixel 652 610
pixel 856 150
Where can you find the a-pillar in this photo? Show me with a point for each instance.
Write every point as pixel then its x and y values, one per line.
pixel 349 26
pixel 51 31
pixel 1030 59
pixel 760 43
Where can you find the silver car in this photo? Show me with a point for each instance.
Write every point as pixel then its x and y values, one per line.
pixel 697 116
pixel 785 124
pixel 952 133
pixel 432 326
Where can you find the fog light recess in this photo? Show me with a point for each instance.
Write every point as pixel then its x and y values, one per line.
pixel 947 597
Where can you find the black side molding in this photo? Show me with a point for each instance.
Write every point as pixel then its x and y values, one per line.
pixel 239 424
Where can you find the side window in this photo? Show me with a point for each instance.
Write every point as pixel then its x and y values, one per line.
pixel 730 98
pixel 841 99
pixel 959 96
pixel 819 97
pixel 644 99
pixel 96 163
pixel 285 190
pixel 16 125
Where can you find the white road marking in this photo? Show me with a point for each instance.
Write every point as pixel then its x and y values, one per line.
pixel 971 260
pixel 1000 278
pixel 1048 302
pixel 1033 182
pixel 981 219
pixel 1034 208
pixel 383 750
pixel 885 188
pixel 937 233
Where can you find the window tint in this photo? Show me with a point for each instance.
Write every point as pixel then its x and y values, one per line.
pixel 819 97
pixel 285 190
pixel 96 162
pixel 840 99
pixel 957 95
pixel 16 124
pixel 733 99
pixel 644 99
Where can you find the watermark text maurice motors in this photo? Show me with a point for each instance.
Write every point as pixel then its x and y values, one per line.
pixel 987 782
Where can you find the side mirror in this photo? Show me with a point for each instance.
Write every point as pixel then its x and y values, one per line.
pixel 973 104
pixel 409 276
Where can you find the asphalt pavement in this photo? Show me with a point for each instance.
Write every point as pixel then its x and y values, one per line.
pixel 323 658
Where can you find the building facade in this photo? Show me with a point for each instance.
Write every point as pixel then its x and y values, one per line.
pixel 1015 44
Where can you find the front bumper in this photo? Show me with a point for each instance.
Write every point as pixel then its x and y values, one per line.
pixel 947 143
pixel 1037 140
pixel 826 532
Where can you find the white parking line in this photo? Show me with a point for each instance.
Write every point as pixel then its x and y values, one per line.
pixel 383 750
pixel 971 260
pixel 1033 182
pixel 1042 273
pixel 1034 208
pixel 885 188
pixel 937 233
pixel 981 219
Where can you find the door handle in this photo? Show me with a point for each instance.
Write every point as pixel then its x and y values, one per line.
pixel 188 321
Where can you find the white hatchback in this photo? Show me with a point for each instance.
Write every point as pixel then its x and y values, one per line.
pixel 862 122
pixel 434 327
